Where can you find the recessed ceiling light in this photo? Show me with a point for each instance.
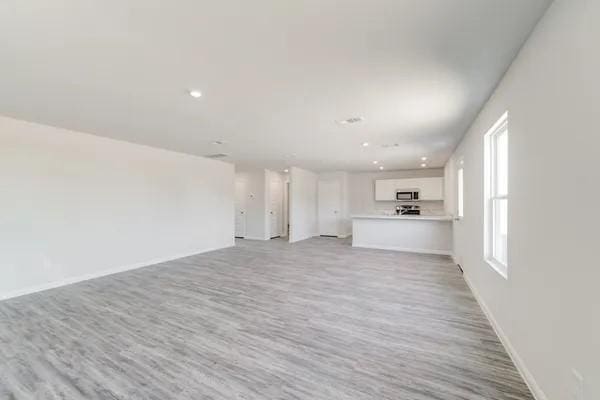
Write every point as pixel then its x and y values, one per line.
pixel 352 120
pixel 423 158
pixel 381 168
pixel 286 170
pixel 423 165
pixel 375 162
pixel 365 144
pixel 195 93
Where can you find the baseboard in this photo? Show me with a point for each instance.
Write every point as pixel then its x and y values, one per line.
pixel 254 238
pixel 302 238
pixel 535 389
pixel 111 271
pixel 405 249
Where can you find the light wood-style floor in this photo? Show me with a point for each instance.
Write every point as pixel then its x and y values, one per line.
pixel 316 320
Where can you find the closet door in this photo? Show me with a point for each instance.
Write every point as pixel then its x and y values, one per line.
pixel 330 196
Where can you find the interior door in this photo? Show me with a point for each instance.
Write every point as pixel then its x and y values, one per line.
pixel 240 208
pixel 275 207
pixel 330 196
pixel 240 223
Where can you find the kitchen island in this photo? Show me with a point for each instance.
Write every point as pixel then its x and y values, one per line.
pixel 410 233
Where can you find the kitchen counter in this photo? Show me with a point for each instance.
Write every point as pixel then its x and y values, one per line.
pixel 429 234
pixel 411 217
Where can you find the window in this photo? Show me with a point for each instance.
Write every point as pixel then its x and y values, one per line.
pixel 460 190
pixel 496 196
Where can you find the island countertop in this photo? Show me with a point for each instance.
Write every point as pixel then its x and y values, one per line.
pixel 404 217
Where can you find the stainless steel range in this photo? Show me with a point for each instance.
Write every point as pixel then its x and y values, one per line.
pixel 408 209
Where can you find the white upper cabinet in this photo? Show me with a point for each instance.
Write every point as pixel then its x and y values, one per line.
pixel 429 188
pixel 385 190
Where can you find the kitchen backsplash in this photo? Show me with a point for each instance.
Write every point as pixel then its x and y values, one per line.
pixel 427 207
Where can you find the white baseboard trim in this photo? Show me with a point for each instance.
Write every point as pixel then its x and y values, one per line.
pixel 404 249
pixel 301 239
pixel 110 271
pixel 255 238
pixel 535 389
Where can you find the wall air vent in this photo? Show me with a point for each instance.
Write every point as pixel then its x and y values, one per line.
pixel 218 155
pixel 352 120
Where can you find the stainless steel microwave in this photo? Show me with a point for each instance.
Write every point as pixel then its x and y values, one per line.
pixel 407 195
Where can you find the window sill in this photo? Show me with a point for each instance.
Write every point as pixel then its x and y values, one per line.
pixel 498 267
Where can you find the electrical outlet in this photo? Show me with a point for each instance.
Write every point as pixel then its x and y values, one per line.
pixel 576 385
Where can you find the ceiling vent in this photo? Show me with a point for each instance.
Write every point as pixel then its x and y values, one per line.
pixel 352 120
pixel 218 155
pixel 387 146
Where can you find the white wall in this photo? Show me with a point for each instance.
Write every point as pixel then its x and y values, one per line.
pixel 450 188
pixel 548 309
pixel 361 191
pixel 303 204
pixel 74 206
pixel 255 198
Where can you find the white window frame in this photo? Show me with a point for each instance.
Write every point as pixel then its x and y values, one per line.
pixel 491 194
pixel 460 191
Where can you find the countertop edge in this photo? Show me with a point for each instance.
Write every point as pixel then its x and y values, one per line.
pixel 405 217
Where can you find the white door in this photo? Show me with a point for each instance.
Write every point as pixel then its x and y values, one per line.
pixel 240 223
pixel 286 209
pixel 330 196
pixel 240 208
pixel 275 206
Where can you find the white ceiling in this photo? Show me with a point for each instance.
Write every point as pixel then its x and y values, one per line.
pixel 275 74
